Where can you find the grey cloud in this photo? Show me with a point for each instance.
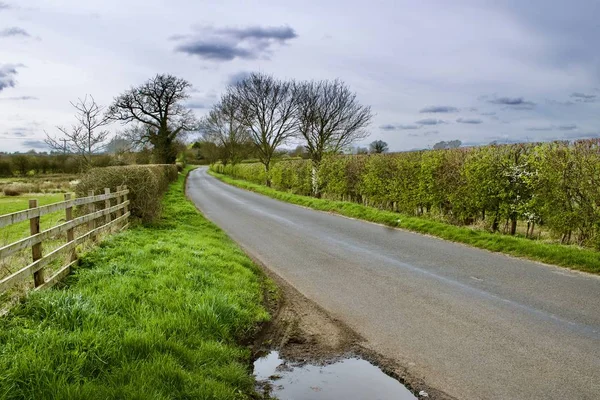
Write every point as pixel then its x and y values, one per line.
pixel 559 103
pixel 281 33
pixel 4 6
pixel 473 121
pixel 584 98
pixel 439 109
pixel 424 134
pixel 539 128
pixel 20 98
pixel 390 127
pixel 7 76
pixel 513 102
pixel 430 121
pixel 488 114
pixel 215 51
pixel 237 77
pixel 568 127
pixel 580 95
pixel 14 31
pixel 228 44
pixel 35 144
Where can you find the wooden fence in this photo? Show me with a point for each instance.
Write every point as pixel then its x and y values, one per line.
pixel 100 216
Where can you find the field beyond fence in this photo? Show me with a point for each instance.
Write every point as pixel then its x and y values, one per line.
pixel 84 219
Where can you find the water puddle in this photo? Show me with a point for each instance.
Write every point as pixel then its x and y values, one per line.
pixel 349 378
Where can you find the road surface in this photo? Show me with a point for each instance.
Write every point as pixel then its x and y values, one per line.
pixel 474 324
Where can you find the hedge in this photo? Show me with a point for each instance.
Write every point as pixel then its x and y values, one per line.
pixel 146 184
pixel 555 185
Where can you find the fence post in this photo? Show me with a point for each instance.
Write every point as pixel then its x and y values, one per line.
pixel 107 206
pixel 92 223
pixel 118 213
pixel 124 200
pixel 70 232
pixel 36 249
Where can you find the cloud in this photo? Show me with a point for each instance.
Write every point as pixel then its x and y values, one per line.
pixel 559 103
pixel 390 127
pixel 4 6
pixel 473 121
pixel 439 109
pixel 35 144
pixel 14 31
pixel 584 98
pixel 515 103
pixel 488 114
pixel 424 134
pixel 227 44
pixel 19 98
pixel 539 128
pixel 7 76
pixel 430 121
pixel 237 77
pixel 567 127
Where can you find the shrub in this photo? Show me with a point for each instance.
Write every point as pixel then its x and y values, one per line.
pixel 146 184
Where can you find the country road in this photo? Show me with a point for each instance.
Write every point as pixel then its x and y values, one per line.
pixel 474 324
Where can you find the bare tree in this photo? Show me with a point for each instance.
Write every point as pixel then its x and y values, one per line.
pixel 222 127
pixel 267 109
pixel 157 106
pixel 330 119
pixel 378 147
pixel 85 137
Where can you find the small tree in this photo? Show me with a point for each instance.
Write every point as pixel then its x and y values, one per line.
pixel 223 128
pixel 378 147
pixel 157 106
pixel 266 107
pixel 85 137
pixel 330 119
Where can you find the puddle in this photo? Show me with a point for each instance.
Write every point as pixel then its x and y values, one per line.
pixel 350 378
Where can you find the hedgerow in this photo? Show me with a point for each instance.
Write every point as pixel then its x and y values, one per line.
pixel 146 184
pixel 551 185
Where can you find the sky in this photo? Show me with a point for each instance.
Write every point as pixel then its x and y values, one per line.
pixel 432 70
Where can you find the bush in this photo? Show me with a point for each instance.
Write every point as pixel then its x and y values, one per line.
pixel 146 184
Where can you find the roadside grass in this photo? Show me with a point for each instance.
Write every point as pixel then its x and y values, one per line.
pixel 155 312
pixel 573 257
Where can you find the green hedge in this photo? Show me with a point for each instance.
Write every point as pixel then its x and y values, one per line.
pixel 555 185
pixel 146 184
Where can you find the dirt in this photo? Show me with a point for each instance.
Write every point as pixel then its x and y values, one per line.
pixel 303 332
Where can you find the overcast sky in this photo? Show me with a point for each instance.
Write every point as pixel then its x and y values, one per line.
pixel 432 70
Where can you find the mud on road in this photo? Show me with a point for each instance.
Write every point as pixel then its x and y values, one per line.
pixel 302 332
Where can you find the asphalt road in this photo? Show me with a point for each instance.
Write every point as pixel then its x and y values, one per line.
pixel 474 324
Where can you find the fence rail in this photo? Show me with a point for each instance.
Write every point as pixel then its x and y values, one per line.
pixel 100 216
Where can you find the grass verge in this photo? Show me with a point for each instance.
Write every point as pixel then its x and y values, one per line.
pixel 566 256
pixel 156 312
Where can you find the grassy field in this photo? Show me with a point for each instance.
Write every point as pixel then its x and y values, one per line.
pixel 156 312
pixel 10 204
pixel 567 256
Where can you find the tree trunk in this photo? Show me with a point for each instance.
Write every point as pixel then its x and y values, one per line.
pixel 513 225
pixel 315 180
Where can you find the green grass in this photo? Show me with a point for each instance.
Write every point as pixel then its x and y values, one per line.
pixel 566 256
pixel 10 204
pixel 156 312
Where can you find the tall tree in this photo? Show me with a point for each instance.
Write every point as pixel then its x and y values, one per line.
pixel 267 108
pixel 86 136
pixel 378 147
pixel 222 127
pixel 157 106
pixel 330 119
